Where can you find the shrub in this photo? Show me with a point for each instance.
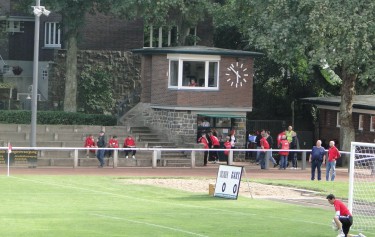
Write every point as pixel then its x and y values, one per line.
pixel 56 117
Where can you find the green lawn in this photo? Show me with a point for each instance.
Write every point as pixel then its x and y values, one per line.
pixel 36 206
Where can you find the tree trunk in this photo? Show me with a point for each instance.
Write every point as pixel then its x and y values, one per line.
pixel 347 134
pixel 70 100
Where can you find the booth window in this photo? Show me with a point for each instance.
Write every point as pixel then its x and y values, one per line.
pixel 194 73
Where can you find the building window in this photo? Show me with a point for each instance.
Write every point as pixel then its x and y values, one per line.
pixel 338 121
pixel 372 123
pixel 52 35
pixel 194 73
pixel 45 74
pixel 360 122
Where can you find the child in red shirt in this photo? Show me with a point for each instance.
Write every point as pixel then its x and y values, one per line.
pixel 129 143
pixel 89 142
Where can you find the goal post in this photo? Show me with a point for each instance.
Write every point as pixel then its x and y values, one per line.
pixel 361 198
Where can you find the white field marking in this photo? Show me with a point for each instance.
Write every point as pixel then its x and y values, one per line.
pixel 150 224
pixel 136 198
pixel 271 216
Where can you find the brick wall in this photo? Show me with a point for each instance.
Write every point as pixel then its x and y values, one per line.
pixel 226 96
pixel 102 32
pixel 329 131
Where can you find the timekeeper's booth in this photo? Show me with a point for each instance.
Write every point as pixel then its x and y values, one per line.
pixel 191 89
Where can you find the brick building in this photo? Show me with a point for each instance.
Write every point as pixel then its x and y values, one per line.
pixel 186 87
pixel 329 120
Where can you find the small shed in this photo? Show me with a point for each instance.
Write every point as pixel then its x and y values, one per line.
pixel 192 89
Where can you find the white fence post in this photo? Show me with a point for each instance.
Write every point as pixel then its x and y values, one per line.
pixel 192 159
pixel 154 158
pixel 230 157
pixel 75 163
pixel 115 158
pixel 303 160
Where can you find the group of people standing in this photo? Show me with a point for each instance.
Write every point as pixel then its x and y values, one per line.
pixel 319 156
pixel 210 140
pixel 101 142
pixel 286 141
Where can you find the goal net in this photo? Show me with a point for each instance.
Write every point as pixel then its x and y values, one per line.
pixel 362 185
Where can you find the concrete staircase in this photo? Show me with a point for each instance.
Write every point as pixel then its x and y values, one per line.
pixel 71 136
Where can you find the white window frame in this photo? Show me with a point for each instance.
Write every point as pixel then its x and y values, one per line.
pixel 360 122
pixel 207 59
pixel 338 121
pixel 49 35
pixel 372 124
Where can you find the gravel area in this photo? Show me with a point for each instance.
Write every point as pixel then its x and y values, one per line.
pixel 202 185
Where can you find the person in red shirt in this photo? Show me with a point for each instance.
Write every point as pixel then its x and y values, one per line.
pixel 89 142
pixel 265 146
pixel 283 145
pixel 333 155
pixel 203 140
pixel 215 145
pixel 112 143
pixel 228 145
pixel 343 218
pixel 129 143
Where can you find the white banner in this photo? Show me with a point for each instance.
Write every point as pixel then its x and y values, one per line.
pixel 228 181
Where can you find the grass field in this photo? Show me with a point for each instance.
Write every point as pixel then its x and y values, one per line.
pixel 89 206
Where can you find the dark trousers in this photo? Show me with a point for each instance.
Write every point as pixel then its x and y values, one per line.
pixel 315 165
pixel 127 152
pixel 100 156
pixel 205 157
pixel 262 159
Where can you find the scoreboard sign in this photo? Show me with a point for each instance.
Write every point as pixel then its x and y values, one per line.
pixel 19 157
pixel 228 181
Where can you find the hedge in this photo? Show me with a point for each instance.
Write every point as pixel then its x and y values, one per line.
pixel 56 117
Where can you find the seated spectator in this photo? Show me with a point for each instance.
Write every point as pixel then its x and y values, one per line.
pixel 193 83
pixel 89 143
pixel 129 143
pixel 112 143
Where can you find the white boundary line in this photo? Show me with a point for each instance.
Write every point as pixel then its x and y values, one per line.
pixel 150 224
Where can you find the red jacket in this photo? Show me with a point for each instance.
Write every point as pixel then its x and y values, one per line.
pixel 89 142
pixel 333 154
pixel 113 143
pixel 227 145
pixel 264 143
pixel 215 141
pixel 204 141
pixel 129 142
pixel 284 145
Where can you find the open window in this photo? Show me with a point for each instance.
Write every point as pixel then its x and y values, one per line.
pixel 194 73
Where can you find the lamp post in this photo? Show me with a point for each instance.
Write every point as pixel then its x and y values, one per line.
pixel 38 11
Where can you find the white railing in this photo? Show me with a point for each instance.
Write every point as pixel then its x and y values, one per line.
pixel 157 151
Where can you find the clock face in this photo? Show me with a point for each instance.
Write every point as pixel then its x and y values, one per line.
pixel 237 74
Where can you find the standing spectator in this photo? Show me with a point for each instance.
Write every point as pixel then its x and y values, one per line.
pixel 101 143
pixel 228 146
pixel 89 142
pixel 215 145
pixel 293 146
pixel 129 143
pixel 264 146
pixel 259 137
pixel 269 153
pixel 289 133
pixel 112 143
pixel 204 141
pixel 284 145
pixel 333 155
pixel 279 136
pixel 317 158
pixel 233 139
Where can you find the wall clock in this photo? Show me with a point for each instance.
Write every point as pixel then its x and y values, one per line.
pixel 237 74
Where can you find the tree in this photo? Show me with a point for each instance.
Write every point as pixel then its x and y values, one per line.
pixel 184 14
pixel 339 34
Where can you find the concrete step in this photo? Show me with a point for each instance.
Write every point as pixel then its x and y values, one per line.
pixel 161 144
pixel 136 130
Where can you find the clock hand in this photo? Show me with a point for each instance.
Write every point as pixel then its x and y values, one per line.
pixel 235 72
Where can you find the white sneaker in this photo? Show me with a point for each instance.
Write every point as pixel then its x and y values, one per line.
pixel 133 157
pixel 127 157
pixel 361 235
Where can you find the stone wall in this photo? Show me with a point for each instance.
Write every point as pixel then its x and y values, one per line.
pixel 125 72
